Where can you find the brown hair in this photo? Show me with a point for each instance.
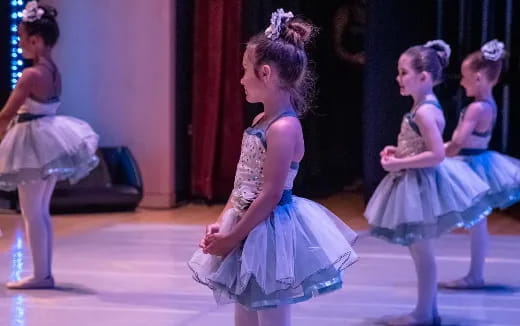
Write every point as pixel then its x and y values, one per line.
pixel 491 69
pixel 430 58
pixel 287 54
pixel 46 26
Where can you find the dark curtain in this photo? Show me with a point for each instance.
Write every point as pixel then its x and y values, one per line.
pixel 333 130
pixel 392 27
pixel 513 78
pixel 183 98
pixel 217 100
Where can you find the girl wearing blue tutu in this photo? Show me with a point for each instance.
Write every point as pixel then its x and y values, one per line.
pixel 269 249
pixel 480 72
pixel 38 148
pixel 424 195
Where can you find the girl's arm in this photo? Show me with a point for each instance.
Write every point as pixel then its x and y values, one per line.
pixel 215 227
pixel 433 138
pixel 464 129
pixel 281 141
pixel 18 96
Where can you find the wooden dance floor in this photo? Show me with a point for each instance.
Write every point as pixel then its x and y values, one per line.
pixel 130 269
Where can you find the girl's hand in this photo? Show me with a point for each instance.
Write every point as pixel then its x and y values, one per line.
pixel 388 150
pixel 219 244
pixel 3 127
pixel 210 229
pixel 391 163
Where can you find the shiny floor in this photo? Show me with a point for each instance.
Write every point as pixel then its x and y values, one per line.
pixel 130 269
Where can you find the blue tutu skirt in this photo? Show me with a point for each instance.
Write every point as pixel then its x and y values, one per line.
pixel 424 203
pixel 501 173
pixel 297 253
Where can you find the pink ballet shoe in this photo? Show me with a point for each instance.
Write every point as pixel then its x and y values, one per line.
pixel 465 283
pixel 30 283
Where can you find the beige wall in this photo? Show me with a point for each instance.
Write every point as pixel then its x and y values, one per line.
pixel 117 61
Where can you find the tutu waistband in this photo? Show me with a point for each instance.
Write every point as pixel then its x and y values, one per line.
pixel 286 197
pixel 472 151
pixel 25 117
pixel 242 203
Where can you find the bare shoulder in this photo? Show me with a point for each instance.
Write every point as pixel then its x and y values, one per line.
pixel 30 76
pixel 31 73
pixel 288 125
pixel 427 112
pixel 475 110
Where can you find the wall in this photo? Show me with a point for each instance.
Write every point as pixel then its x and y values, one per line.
pixel 117 61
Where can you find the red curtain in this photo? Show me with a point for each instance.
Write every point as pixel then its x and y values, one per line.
pixel 218 104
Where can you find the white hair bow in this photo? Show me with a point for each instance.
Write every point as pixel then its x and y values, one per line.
pixel 32 12
pixel 493 50
pixel 277 19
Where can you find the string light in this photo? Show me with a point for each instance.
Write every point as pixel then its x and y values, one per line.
pixel 17 63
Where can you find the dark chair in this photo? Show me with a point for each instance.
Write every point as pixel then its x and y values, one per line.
pixel 114 185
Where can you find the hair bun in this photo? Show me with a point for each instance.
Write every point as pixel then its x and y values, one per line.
pixel 442 49
pixel 291 30
pixel 297 32
pixel 50 12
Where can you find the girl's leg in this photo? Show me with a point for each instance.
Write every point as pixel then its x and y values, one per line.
pixel 479 247
pixel 245 317
pixel 280 316
pixel 423 256
pixel 46 203
pixel 32 197
pixel 425 312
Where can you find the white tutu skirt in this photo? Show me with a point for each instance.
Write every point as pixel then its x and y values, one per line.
pixel 54 145
pixel 298 252
pixel 501 173
pixel 424 203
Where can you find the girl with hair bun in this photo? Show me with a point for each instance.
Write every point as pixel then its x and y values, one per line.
pixel 269 249
pixel 469 142
pixel 38 147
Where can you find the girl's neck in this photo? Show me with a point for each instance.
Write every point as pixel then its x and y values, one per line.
pixel 485 94
pixel 43 56
pixel 422 97
pixel 277 104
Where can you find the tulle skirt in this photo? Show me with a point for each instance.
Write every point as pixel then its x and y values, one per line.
pixel 424 203
pixel 53 145
pixel 501 173
pixel 300 251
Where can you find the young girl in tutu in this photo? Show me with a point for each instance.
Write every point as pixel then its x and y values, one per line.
pixel 424 195
pixel 480 72
pixel 269 248
pixel 38 147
